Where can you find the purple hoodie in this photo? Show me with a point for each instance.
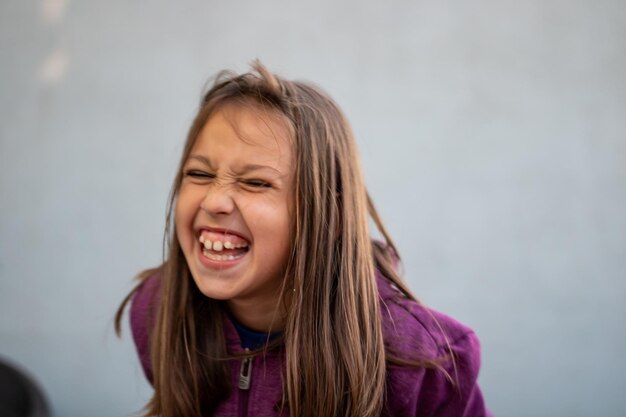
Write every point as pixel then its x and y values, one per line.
pixel 408 327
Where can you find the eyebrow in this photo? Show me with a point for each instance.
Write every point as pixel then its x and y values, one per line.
pixel 245 168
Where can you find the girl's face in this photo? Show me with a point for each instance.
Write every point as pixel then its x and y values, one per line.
pixel 233 212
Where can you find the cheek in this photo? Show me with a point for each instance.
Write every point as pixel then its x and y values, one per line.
pixel 183 219
pixel 279 228
pixel 273 216
pixel 270 224
pixel 180 229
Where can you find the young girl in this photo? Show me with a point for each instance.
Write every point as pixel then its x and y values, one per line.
pixel 273 300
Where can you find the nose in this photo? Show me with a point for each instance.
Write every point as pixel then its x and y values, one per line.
pixel 218 200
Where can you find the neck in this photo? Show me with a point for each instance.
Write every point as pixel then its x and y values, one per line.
pixel 264 317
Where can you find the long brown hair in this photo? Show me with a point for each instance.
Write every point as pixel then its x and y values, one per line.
pixel 333 341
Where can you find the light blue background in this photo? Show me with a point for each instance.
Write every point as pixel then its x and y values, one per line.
pixel 493 135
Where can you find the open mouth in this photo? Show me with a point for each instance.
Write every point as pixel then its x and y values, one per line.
pixel 222 246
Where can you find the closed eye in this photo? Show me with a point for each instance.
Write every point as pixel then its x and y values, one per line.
pixel 255 183
pixel 199 174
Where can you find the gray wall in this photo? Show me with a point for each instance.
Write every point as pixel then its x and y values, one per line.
pixel 493 138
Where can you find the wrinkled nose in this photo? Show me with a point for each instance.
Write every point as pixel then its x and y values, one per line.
pixel 218 201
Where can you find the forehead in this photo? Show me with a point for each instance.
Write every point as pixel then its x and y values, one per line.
pixel 248 131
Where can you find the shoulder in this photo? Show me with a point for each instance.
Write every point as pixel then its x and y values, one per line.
pixel 408 324
pixel 416 333
pixel 143 310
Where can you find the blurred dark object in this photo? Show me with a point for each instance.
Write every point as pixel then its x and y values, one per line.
pixel 19 395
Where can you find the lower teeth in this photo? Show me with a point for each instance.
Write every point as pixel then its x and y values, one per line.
pixel 215 257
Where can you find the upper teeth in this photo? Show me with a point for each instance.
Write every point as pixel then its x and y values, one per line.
pixel 218 245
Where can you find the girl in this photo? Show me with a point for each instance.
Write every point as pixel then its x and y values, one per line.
pixel 273 299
